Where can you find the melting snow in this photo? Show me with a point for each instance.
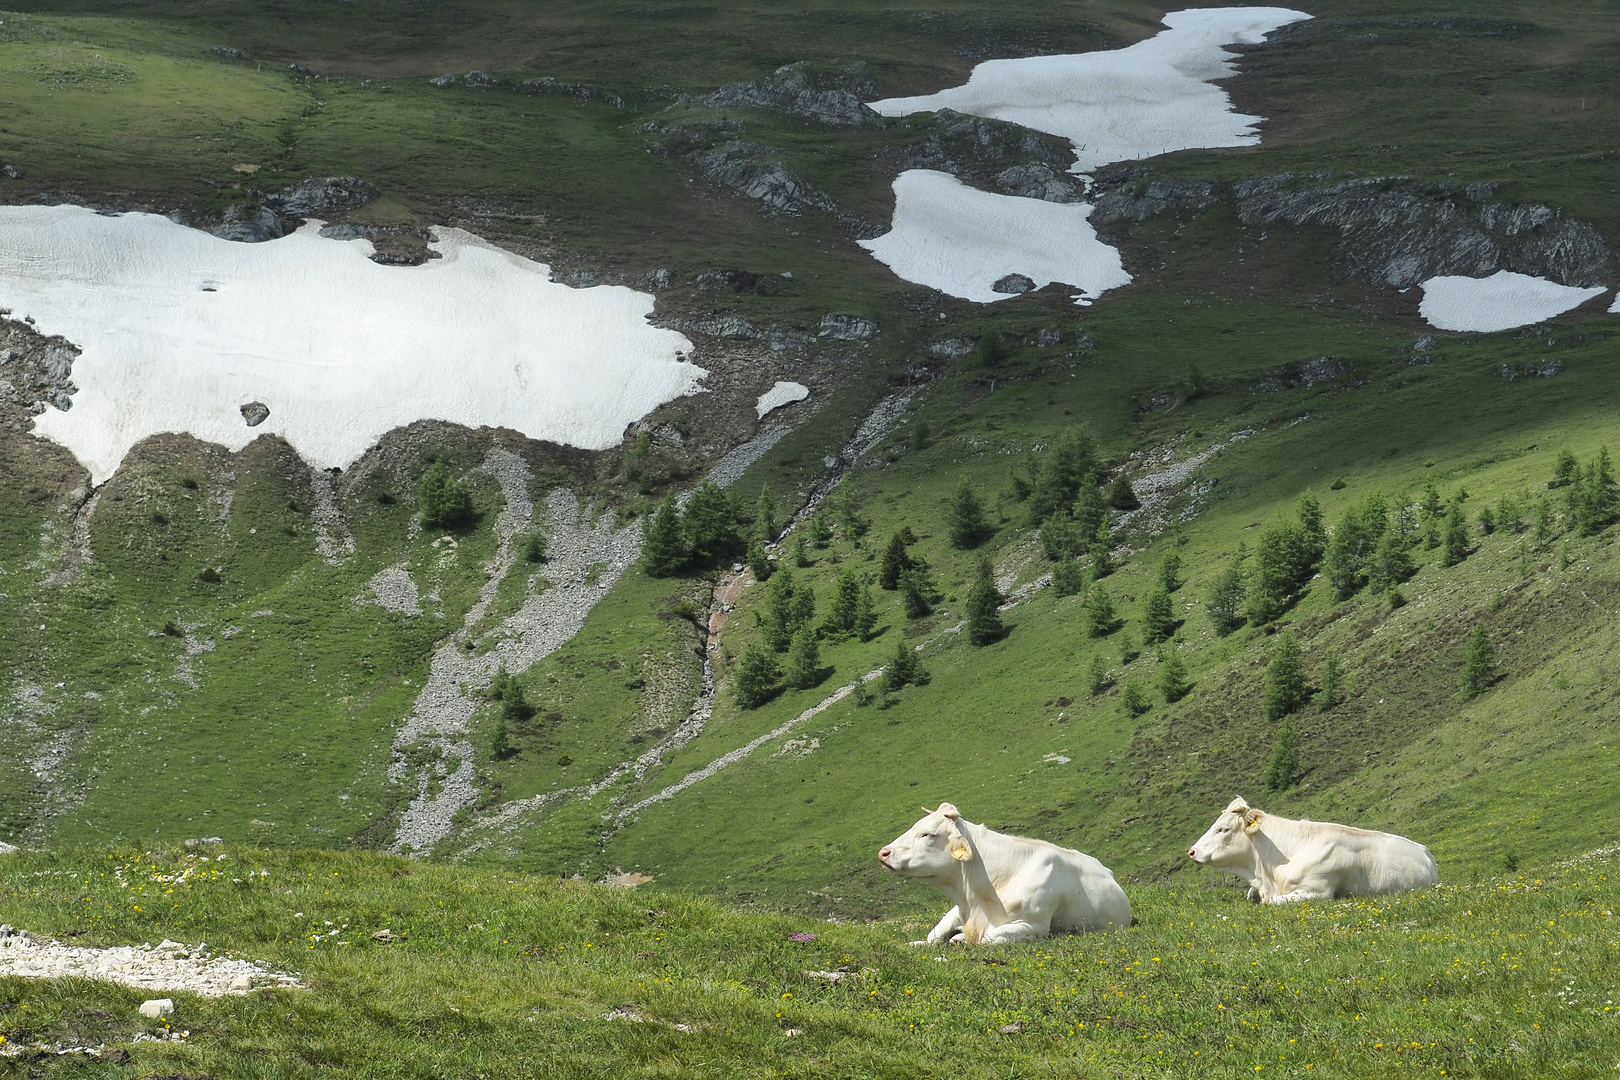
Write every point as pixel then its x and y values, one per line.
pixel 783 393
pixel 1155 97
pixel 961 240
pixel 181 329
pixel 1499 302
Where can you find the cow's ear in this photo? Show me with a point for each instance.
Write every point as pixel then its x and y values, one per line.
pixel 1251 820
pixel 949 811
pixel 959 849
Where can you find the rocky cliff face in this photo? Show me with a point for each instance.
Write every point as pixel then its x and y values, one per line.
pixel 35 371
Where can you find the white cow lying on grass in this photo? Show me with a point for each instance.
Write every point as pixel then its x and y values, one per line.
pixel 1006 888
pixel 1285 860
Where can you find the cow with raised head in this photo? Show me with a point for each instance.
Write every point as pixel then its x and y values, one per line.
pixel 1284 860
pixel 1004 888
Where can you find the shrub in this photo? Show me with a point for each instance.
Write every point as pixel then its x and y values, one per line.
pixel 1158 616
pixel 1101 619
pixel 535 548
pixel 1097 679
pixel 441 499
pixel 991 350
pixel 758 564
pixel 804 660
pixel 1227 596
pixel 209 575
pixel 983 620
pixel 904 667
pixel 1067 580
pixel 764 516
pixel 1455 546
pixel 1170 572
pixel 1284 763
pixel 917 591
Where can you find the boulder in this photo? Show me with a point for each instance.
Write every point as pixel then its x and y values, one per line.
pixel 848 328
pixel 255 413
pixel 1013 285
pixel 478 80
pixel 443 81
pixel 227 52
pixel 11 171
pixel 250 224
pixel 321 195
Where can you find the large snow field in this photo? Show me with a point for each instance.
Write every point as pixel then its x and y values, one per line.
pixel 181 329
pixel 961 240
pixel 1499 302
pixel 1151 98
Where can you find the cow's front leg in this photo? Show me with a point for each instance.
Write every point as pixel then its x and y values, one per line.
pixel 947 927
pixel 1016 930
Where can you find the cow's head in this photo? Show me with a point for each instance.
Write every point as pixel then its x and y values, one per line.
pixel 934 847
pixel 1228 841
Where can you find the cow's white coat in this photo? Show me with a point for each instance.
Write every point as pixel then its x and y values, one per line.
pixel 1005 888
pixel 1285 860
pixel 180 329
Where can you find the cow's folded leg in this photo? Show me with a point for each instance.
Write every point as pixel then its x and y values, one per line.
pixel 1017 930
pixel 947 927
pixel 1302 893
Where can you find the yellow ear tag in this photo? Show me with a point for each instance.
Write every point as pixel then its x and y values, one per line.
pixel 1253 826
pixel 960 850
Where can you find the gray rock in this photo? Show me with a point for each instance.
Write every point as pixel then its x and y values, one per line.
pixel 757 172
pixel 478 80
pixel 1013 285
pixel 1399 233
pixel 321 195
pixel 1307 373
pixel 227 52
pixel 1048 337
pixel 951 348
pixel 1038 180
pixel 660 279
pixel 157 1007
pixel 847 328
pixel 798 90
pixel 349 231
pixel 573 90
pixel 442 81
pixel 1138 203
pixel 9 170
pixel 255 413
pixel 7 849
pixel 299 69
pixel 250 224
pixel 35 374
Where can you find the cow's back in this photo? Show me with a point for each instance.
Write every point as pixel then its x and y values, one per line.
pixel 1366 863
pixel 1095 900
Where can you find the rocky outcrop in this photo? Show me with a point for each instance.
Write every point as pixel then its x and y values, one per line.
pixel 756 171
pixel 832 98
pixel 1138 202
pixel 994 156
pixel 1399 233
pixel 573 90
pixel 248 224
pixel 847 328
pixel 255 413
pixel 35 372
pixel 320 195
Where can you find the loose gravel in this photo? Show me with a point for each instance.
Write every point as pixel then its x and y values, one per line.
pixel 169 966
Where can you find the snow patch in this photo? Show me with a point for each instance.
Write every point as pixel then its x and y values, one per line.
pixel 1499 302
pixel 181 329
pixel 962 241
pixel 783 393
pixel 1155 97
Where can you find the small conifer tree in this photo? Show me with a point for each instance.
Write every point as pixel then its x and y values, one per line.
pixel 1226 600
pixel 804 660
pixel 663 547
pixel 1158 616
pixel 865 613
pixel 1455 546
pixel 895 562
pixel 1067 580
pixel 758 564
pixel 917 592
pixel 846 603
pixel 904 667
pixel 1127 648
pixel 991 350
pixel 442 499
pixel 535 548
pixel 1173 682
pixel 1133 698
pixel 1479 664
pixel 1170 572
pixel 1101 619
pixel 1284 763
pixel 764 516
pixel 984 621
pixel 1121 495
pixel 801 553
pixel 500 741
pixel 1097 679
pixel 967 523
pixel 1332 684
pixel 1285 678
pixel 1565 470
pixel 757 677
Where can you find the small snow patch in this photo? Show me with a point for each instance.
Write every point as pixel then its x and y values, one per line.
pixel 783 393
pixel 965 242
pixel 1499 302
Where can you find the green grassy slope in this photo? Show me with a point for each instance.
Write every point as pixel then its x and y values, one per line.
pixel 497 973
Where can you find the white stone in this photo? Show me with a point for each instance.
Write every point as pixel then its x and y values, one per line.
pixel 157 1007
pixel 179 329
